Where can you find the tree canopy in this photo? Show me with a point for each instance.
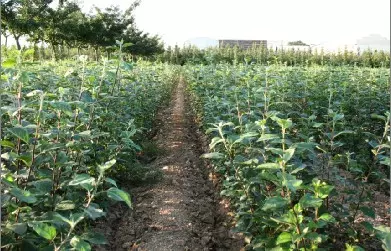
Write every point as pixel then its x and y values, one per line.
pixel 66 25
pixel 299 43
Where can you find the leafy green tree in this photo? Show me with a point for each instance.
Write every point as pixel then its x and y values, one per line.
pixel 66 26
pixel 22 16
pixel 142 44
pixel 61 26
pixel 106 26
pixel 299 42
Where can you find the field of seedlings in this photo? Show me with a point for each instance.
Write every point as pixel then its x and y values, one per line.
pixel 115 138
pixel 69 130
pixel 302 152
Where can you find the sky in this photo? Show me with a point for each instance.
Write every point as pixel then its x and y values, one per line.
pixel 312 21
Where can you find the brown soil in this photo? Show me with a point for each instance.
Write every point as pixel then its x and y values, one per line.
pixel 183 211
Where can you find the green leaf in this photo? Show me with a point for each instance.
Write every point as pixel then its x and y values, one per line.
pixel 284 237
pixel 211 130
pixel 94 212
pixel 76 218
pixel 26 159
pixel 44 230
pixel 80 179
pixel 278 151
pixel 9 180
pixel 106 166
pixel 305 146
pixel 367 225
pixel 23 195
pixel 368 212
pixel 79 244
pixel 65 205
pixel 274 203
pixel 317 125
pixel 127 45
pixel 6 143
pixel 266 137
pixel 61 106
pixel 111 181
pixel 283 123
pixel 338 117
pixel 343 132
pixel 58 217
pixel 34 93
pixel 20 133
pixel 324 191
pixel 246 136
pixel 214 155
pixel 94 238
pixel 383 233
pixel 288 154
pixel 291 182
pixel 269 166
pixel 353 248
pixel 85 134
pixel 119 195
pixel 315 237
pixel 386 161
pixel 296 170
pixel 215 141
pixel 126 66
pixel 10 156
pixel 250 162
pixel 309 200
pixel 88 186
pixel 62 158
pixel 327 217
pixel 19 228
pixel 9 63
pixel 43 185
pixel 376 116
pixel 384 146
pixel 86 97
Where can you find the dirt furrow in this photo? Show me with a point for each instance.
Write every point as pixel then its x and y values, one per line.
pixel 183 211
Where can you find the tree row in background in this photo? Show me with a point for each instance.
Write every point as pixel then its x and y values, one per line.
pixel 65 31
pixel 231 55
pixel 66 27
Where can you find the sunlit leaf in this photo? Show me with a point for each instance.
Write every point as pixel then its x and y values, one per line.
pixel 119 195
pixel 20 133
pixel 214 155
pixel 79 245
pixel 44 230
pixel 106 166
pixel 274 203
pixel 23 195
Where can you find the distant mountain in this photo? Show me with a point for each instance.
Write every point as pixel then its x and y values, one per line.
pixel 202 42
pixel 374 41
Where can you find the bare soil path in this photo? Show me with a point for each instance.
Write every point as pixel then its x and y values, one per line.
pixel 181 212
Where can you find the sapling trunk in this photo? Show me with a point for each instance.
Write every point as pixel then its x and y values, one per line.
pixel 265 96
pixel 358 203
pixel 82 77
pixel 92 108
pixel 36 136
pixel 19 117
pixel 118 71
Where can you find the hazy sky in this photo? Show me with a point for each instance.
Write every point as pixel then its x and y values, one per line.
pixel 311 21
